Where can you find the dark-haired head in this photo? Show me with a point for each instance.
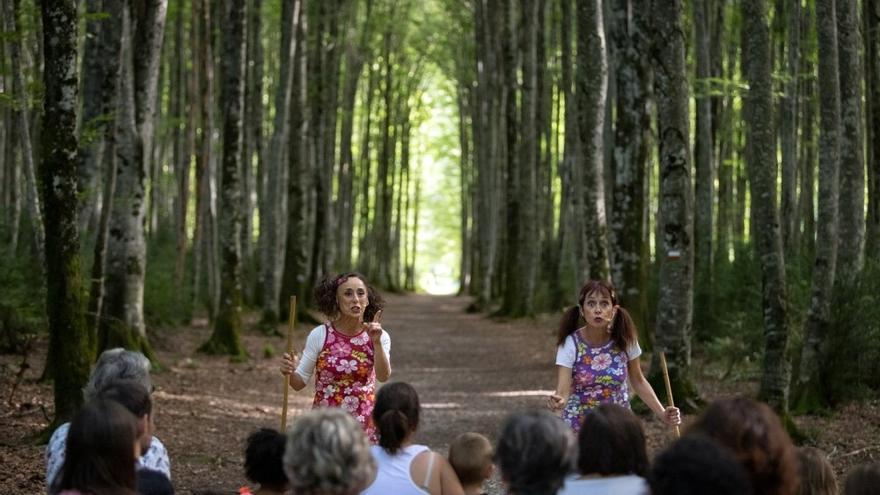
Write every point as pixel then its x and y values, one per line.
pixel 623 329
pixel 327 301
pixel 396 414
pixel 263 459
pixel 863 480
pixel 100 453
pixel 759 442
pixel 150 482
pixel 612 443
pixel 696 465
pixel 535 452
pixel 132 395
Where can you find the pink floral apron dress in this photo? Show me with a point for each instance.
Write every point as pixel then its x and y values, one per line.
pixel 597 377
pixel 345 376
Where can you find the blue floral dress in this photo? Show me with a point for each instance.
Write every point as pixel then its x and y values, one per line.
pixel 599 376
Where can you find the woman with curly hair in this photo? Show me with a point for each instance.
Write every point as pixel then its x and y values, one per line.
pixel 754 433
pixel 348 353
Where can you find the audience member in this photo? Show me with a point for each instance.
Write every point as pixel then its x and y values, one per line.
pixel 470 456
pixel 816 474
pixel 327 453
pixel 263 461
pixel 101 450
pixel 753 432
pixel 611 454
pixel 697 465
pixel 405 467
pixel 535 451
pixel 863 480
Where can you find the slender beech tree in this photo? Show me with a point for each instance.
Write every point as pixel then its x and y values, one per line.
pixel 122 316
pixel 761 163
pixel 675 248
pixel 71 347
pixel 591 91
pixel 790 121
pixel 809 392
pixel 705 169
pixel 226 337
pixel 872 83
pixel 852 146
pixel 628 233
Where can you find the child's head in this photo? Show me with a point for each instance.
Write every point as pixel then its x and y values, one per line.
pixel 862 480
pixel 611 442
pixel 694 465
pixel 263 459
pixel 817 476
pixel 471 457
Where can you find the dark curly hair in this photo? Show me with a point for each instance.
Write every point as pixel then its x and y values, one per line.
pixel 325 295
pixel 263 458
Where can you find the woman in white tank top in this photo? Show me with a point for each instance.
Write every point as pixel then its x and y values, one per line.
pixel 405 468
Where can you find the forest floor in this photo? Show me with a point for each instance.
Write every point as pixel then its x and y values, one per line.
pixel 470 371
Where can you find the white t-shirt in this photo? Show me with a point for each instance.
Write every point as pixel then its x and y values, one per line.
pixel 613 485
pixel 393 472
pixel 567 352
pixel 314 344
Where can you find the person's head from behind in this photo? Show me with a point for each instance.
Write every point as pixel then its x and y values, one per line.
pixel 470 455
pixel 611 442
pixel 348 294
pixel 150 482
pixel 327 453
pixel 816 473
pixel 753 432
pixel 263 459
pixel 863 480
pixel 535 451
pixel 136 399
pixel 101 451
pixel 696 465
pixel 118 364
pixel 396 414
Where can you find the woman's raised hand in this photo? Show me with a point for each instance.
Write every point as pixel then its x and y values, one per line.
pixel 374 328
pixel 289 362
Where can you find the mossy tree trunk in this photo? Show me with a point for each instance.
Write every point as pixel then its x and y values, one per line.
pixel 675 249
pixel 226 338
pixel 809 392
pixel 761 163
pixel 872 83
pixel 71 346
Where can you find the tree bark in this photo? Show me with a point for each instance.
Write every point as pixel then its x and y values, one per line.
pixel 790 126
pixel 761 162
pixel 253 147
pixel 675 300
pixel 93 117
pixel 809 392
pixel 628 233
pixel 872 83
pixel 70 344
pixel 705 170
pixel 226 338
pixel 852 164
pixel 592 86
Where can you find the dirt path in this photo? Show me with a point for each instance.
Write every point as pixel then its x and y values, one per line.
pixel 470 372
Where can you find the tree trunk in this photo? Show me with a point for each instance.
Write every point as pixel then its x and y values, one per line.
pixel 761 162
pixel 253 142
pixel 790 127
pixel 226 338
pixel 269 217
pixel 24 137
pixel 705 171
pixel 676 253
pixel 126 249
pixel 69 341
pixel 628 233
pixel 852 164
pixel 808 138
pixel 592 86
pixel 809 390
pixel 872 83
pixel 182 163
pixel 94 114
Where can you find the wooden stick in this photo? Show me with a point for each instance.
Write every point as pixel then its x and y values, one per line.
pixel 668 387
pixel 291 324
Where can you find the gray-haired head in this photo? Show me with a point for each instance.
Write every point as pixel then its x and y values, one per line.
pixel 535 451
pixel 328 453
pixel 118 364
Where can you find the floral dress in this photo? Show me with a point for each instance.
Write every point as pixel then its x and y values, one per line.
pixel 598 377
pixel 345 376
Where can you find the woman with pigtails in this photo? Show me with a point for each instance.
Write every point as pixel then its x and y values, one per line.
pixel 348 353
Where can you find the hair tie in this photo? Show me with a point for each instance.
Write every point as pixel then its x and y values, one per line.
pixel 338 281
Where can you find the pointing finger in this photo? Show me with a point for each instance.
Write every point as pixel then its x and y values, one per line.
pixel 377 318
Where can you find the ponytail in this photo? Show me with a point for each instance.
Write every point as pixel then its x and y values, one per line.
pixel 568 324
pixel 393 427
pixel 396 415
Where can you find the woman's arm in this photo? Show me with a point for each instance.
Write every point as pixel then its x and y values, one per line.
pixel 381 362
pixel 669 415
pixel 563 388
